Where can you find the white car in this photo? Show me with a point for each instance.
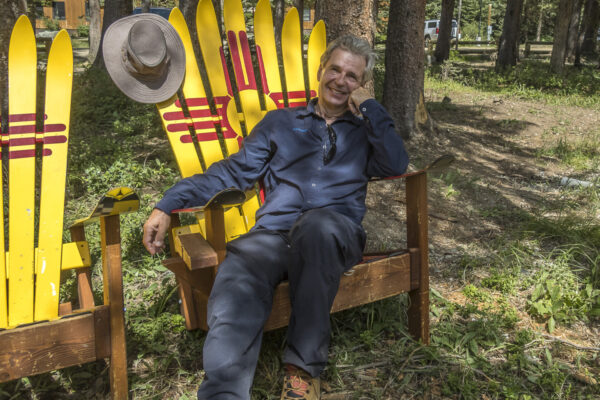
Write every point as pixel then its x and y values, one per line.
pixel 432 30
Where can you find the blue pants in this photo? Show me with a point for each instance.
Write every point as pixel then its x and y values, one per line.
pixel 313 255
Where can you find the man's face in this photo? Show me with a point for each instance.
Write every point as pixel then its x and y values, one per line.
pixel 338 78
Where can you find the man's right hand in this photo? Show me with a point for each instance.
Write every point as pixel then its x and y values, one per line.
pixel 155 230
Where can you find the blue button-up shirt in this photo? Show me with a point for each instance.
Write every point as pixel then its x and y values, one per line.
pixel 286 150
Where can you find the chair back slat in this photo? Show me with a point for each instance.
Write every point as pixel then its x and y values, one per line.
pixel 241 58
pixel 22 63
pixel 291 51
pixel 218 77
pixel 196 99
pixel 59 81
pixel 317 43
pixel 266 54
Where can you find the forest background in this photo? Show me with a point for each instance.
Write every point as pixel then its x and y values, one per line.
pixel 514 227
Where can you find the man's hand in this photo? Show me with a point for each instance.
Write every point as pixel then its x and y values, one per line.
pixel 357 97
pixel 155 229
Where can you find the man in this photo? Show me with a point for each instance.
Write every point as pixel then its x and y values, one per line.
pixel 315 163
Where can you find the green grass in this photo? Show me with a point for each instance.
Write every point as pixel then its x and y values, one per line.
pixel 487 336
pixel 531 80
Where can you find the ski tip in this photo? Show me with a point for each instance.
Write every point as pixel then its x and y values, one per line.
pixel 23 26
pixel 293 13
pixel 175 13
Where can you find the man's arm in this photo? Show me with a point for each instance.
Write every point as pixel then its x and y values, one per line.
pixel 241 170
pixel 389 157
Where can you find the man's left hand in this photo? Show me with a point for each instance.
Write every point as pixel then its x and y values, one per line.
pixel 357 97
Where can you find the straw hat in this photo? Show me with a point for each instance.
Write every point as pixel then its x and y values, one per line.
pixel 144 57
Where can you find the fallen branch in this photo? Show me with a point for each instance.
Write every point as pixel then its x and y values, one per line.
pixel 575 345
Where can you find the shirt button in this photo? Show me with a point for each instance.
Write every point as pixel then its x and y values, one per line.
pixel 364 108
pixel 319 168
pixel 309 202
pixel 314 185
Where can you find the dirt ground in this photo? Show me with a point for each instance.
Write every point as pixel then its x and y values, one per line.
pixel 496 141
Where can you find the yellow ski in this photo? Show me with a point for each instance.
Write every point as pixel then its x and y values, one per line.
pixel 267 55
pixel 239 50
pixel 317 43
pixel 59 78
pixel 291 50
pixel 22 63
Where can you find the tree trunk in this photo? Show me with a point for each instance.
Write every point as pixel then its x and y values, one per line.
pixel 538 34
pixel 356 17
pixel 113 10
pixel 145 6
pixel 299 4
pixel 9 12
pixel 278 17
pixel 95 30
pixel 404 66
pixel 442 47
pixel 508 49
pixel 591 21
pixel 573 32
pixel 561 32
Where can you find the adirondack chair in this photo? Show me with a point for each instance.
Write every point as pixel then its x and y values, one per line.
pixel 214 126
pixel 35 334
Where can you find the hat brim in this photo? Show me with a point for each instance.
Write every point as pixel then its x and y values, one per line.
pixel 142 89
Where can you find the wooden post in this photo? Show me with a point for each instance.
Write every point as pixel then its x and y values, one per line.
pixel 417 237
pixel 84 275
pixel 113 297
pixel 215 230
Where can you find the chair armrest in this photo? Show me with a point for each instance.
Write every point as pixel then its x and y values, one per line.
pixel 117 201
pixel 439 163
pixel 226 198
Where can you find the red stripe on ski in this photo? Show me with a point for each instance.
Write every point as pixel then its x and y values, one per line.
pixel 278 99
pixel 21 141
pixel 197 101
pixel 27 153
pixel 177 127
pixel 226 72
pixel 247 58
pixel 21 117
pixel 54 139
pixel 54 128
pixel 15 130
pixel 261 69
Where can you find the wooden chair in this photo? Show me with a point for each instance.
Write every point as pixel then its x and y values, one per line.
pixel 213 125
pixel 37 334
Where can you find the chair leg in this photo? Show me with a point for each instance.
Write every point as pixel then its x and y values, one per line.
pixel 417 237
pixel 113 296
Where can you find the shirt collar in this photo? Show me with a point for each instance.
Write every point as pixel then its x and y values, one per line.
pixel 310 110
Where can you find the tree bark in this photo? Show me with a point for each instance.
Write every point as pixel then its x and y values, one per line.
pixel 404 66
pixel 95 30
pixel 278 16
pixel 442 47
pixel 113 10
pixel 561 32
pixel 538 33
pixel 508 48
pixel 299 4
pixel 591 21
pixel 356 17
pixel 573 32
pixel 9 12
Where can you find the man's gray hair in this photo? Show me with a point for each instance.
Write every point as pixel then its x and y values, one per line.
pixel 354 45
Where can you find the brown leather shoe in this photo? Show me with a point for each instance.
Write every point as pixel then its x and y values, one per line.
pixel 299 385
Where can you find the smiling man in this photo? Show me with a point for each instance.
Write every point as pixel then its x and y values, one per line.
pixel 315 163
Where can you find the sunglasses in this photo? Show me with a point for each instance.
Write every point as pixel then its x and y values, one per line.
pixel 329 149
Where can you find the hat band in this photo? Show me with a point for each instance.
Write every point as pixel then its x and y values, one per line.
pixel 138 69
